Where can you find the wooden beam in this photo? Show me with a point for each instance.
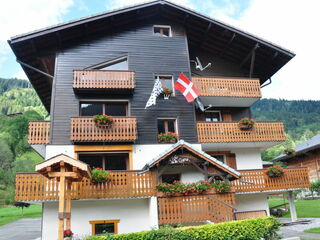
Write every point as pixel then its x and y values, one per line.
pixel 228 44
pixel 63 174
pixel 62 194
pixel 253 57
pixel 249 54
pixel 204 38
pixel 68 206
pixel 197 166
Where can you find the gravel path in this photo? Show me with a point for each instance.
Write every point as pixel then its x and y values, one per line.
pixel 24 229
pixel 297 230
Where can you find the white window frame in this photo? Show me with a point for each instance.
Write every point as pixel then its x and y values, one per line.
pixel 220 117
pixel 166 75
pixel 162 26
pixel 108 63
pixel 221 154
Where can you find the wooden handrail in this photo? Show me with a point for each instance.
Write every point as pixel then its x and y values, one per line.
pixel 35 187
pixel 227 87
pixel 259 181
pixel 87 79
pixel 83 129
pixel 196 208
pixel 39 132
pixel 214 132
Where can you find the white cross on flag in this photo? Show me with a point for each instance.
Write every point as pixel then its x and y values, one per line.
pixel 186 87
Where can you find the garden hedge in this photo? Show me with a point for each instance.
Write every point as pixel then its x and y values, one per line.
pixel 249 229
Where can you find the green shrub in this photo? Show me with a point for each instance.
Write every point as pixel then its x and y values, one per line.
pixel 250 229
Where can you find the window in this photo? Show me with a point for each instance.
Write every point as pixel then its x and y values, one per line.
pixel 170 178
pixel 162 31
pixel 109 108
pixel 166 81
pixel 167 125
pixel 212 116
pixel 220 157
pixel 106 161
pixel 116 64
pixel 104 226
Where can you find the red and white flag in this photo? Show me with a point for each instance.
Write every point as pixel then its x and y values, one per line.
pixel 186 87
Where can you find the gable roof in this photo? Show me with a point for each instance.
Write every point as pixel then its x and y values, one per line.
pixel 197 152
pixel 302 148
pixel 37 48
pixel 54 161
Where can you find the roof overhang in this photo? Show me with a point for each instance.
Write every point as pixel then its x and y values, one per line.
pixel 38 48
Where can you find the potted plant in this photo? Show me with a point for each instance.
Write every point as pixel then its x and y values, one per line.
pixel 178 188
pixel 166 93
pixel 246 123
pixel 221 187
pixel 169 137
pixel 67 234
pixel 289 151
pixel 100 176
pixel 275 171
pixel 103 120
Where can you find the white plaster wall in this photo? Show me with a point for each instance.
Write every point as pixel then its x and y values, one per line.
pixel 252 202
pixel 134 216
pixel 142 154
pixel 54 150
pixel 188 173
pixel 248 158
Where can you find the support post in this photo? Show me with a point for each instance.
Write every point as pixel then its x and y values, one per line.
pixel 61 204
pixel 292 207
pixel 68 206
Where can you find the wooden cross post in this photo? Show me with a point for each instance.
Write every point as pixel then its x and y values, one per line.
pixel 62 195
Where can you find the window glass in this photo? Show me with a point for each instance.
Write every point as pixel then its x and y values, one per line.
pixel 212 116
pixel 116 162
pixel 162 31
pixel 102 228
pixel 119 65
pixel 161 127
pixel 91 109
pixel 219 157
pixel 171 125
pixel 166 125
pixel 166 81
pixel 94 161
pixel 116 109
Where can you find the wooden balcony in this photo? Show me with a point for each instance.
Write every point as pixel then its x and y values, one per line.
pixel 229 132
pixel 39 132
pixel 103 80
pixel 123 129
pixel 183 209
pixel 123 184
pixel 232 92
pixel 259 181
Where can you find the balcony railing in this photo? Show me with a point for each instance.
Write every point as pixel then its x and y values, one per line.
pixel 227 87
pixel 259 181
pixel 123 184
pixel 97 79
pixel 198 208
pixel 224 132
pixel 123 129
pixel 39 132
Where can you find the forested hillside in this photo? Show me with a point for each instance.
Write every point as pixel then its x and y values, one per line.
pixel 15 153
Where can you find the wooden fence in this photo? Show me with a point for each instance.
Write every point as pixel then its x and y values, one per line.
pixel 197 208
pixel 88 79
pixel 123 184
pixel 258 180
pixel 83 129
pixel 214 132
pixel 250 214
pixel 227 87
pixel 39 132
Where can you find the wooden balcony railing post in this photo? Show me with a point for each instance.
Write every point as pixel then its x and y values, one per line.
pixel 39 132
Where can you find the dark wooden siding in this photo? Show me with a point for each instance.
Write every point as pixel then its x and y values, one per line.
pixel 147 54
pixel 236 113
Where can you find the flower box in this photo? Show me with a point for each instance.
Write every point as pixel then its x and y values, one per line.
pixel 166 93
pixel 100 176
pixel 275 171
pixel 246 124
pixel 103 120
pixel 168 137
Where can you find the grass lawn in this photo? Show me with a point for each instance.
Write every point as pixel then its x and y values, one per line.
pixel 11 214
pixel 305 208
pixel 313 230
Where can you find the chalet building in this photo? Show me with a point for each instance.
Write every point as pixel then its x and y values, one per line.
pixel 109 64
pixel 307 154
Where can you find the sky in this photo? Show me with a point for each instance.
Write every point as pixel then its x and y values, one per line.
pixel 292 24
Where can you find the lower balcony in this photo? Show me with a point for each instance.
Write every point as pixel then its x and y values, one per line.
pixel 199 208
pixel 123 184
pixel 228 134
pixel 84 129
pixel 258 180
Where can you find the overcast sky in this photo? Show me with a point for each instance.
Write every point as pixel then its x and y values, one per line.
pixel 292 24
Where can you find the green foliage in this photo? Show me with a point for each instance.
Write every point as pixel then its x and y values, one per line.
pixel 8 84
pixel 168 137
pixel 10 214
pixel 251 229
pixel 100 176
pixel 275 171
pixel 315 187
pixel 221 187
pixel 178 188
pixel 313 230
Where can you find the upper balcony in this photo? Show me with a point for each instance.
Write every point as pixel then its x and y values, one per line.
pixel 228 134
pixel 39 132
pixel 228 92
pixel 84 129
pixel 99 80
